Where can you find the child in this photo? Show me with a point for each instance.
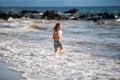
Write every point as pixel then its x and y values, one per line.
pixel 57 37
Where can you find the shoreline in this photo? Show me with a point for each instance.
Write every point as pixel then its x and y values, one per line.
pixel 7 74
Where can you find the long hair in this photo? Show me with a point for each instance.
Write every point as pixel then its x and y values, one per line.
pixel 56 27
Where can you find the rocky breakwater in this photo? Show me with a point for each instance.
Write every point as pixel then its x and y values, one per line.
pixel 72 14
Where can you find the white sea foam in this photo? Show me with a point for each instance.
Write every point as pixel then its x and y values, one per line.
pixel 31 51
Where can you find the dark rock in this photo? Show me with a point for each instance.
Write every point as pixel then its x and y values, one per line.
pixel 51 15
pixel 94 18
pixel 73 11
pixel 68 15
pixel 106 15
pixel 4 15
pixel 13 15
pixel 30 14
pixel 82 16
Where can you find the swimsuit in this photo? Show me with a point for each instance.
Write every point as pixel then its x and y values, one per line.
pixel 57 44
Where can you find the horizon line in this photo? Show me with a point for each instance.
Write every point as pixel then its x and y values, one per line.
pixel 66 6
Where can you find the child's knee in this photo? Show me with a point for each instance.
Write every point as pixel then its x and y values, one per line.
pixel 61 47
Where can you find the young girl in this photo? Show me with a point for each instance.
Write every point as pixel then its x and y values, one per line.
pixel 57 37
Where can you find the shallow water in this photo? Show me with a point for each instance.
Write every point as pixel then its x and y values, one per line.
pixel 92 52
pixel 94 39
pixel 6 74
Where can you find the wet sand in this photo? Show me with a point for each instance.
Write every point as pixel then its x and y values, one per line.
pixel 6 74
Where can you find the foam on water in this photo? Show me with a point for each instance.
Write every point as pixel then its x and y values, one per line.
pixel 86 55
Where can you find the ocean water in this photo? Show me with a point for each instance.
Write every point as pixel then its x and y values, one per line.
pixel 89 38
pixel 11 75
pixel 91 51
pixel 82 10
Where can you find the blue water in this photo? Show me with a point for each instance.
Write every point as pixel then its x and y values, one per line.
pixel 11 75
pixel 110 9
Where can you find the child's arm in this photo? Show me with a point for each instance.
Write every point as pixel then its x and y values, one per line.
pixel 60 34
pixel 62 41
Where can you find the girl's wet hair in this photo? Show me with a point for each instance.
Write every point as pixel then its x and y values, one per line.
pixel 56 26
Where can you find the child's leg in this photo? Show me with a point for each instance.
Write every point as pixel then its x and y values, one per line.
pixel 56 52
pixel 61 49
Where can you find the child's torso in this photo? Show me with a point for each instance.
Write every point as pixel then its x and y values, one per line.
pixel 56 35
